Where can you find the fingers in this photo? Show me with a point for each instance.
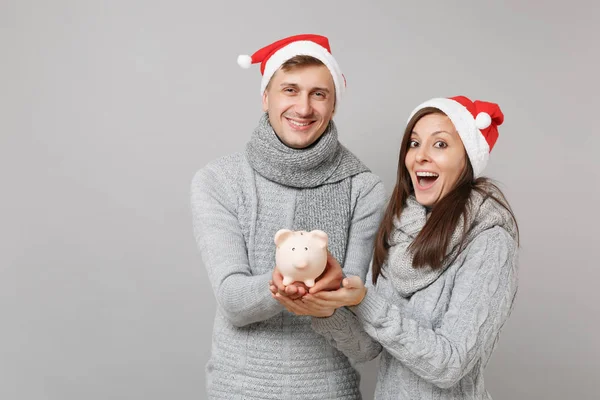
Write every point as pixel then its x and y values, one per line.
pixel 351 294
pixel 332 261
pixel 293 306
pixel 299 287
pixel 332 299
pixel 290 290
pixel 272 288
pixel 352 282
pixel 300 290
pixel 329 281
pixel 331 277
pixel 314 301
pixel 317 308
pixel 294 290
pixel 277 279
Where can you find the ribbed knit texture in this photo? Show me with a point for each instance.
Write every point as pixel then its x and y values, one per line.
pixel 436 343
pixel 259 350
pixel 322 171
pixel 325 161
pixel 483 213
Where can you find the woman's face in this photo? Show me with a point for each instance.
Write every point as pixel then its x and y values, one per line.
pixel 435 158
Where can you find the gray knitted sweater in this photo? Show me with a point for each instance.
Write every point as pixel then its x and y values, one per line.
pixel 436 343
pixel 259 350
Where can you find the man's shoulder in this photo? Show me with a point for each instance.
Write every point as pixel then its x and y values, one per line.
pixel 366 181
pixel 223 173
pixel 226 163
pixel 224 167
pixel 368 190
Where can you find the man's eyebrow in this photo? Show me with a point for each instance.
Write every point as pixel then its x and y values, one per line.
pixel 295 85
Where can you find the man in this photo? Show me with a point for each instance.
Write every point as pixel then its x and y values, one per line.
pixel 294 174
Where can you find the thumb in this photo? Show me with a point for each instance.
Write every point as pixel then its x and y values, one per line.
pixel 332 261
pixel 352 282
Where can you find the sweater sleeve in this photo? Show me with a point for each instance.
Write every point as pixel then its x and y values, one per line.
pixel 366 217
pixel 242 297
pixel 344 331
pixel 481 301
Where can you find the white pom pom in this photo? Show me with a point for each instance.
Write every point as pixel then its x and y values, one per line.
pixel 244 61
pixel 483 120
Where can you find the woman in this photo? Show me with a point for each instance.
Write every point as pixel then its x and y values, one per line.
pixel 444 272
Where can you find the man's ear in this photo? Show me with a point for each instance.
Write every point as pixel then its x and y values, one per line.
pixel 281 235
pixel 334 108
pixel 265 101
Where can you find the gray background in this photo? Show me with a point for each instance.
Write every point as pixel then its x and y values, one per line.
pixel 108 108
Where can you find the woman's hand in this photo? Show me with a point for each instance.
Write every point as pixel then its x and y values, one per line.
pixel 351 294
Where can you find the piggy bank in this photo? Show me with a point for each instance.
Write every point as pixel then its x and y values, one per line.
pixel 300 256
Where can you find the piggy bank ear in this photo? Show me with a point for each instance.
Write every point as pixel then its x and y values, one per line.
pixel 281 235
pixel 320 237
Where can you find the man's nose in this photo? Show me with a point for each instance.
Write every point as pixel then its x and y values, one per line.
pixel 303 106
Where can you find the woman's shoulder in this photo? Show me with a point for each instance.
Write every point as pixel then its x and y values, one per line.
pixel 496 234
pixel 490 250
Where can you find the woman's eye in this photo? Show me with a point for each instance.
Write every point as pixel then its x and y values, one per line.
pixel 440 145
pixel 413 143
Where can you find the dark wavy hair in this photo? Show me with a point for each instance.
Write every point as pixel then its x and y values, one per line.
pixel 431 244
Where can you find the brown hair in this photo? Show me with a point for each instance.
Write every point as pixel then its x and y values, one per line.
pixel 430 245
pixel 300 61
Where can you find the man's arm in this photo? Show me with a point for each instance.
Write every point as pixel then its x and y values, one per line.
pixel 366 217
pixel 242 297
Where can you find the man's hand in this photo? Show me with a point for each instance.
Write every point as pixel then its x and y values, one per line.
pixel 300 307
pixel 294 290
pixel 331 278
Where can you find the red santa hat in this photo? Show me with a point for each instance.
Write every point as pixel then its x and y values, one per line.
pixel 476 122
pixel 274 55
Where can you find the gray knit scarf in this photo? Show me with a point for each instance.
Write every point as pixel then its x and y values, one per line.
pixel 482 213
pixel 322 172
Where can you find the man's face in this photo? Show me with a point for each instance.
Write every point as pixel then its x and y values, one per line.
pixel 300 103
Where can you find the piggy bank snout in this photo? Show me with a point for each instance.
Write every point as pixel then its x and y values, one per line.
pixel 302 256
pixel 301 264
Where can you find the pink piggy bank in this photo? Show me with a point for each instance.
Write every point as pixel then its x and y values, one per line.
pixel 300 256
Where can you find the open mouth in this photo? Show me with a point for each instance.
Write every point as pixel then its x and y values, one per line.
pixel 299 125
pixel 426 179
